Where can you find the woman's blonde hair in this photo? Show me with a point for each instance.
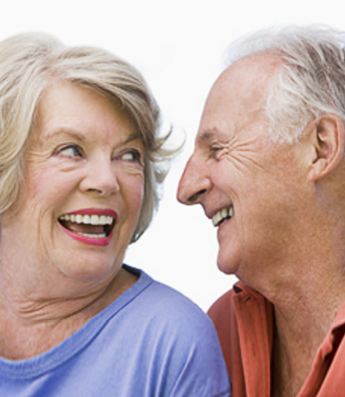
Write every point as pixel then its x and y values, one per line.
pixel 28 64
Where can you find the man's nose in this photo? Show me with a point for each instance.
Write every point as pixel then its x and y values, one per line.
pixel 194 182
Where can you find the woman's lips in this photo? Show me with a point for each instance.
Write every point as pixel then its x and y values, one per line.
pixel 88 239
pixel 95 211
pixel 93 226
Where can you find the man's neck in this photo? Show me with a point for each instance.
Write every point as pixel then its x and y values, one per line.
pixel 303 317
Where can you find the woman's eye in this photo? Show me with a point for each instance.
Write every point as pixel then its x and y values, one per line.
pixel 71 151
pixel 132 155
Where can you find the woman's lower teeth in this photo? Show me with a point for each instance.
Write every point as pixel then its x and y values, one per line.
pixel 94 235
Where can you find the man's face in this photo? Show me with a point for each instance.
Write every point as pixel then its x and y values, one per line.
pixel 249 187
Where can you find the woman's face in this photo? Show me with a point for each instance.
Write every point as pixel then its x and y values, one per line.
pixel 84 190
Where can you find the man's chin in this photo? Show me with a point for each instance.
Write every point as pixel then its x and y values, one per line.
pixel 226 264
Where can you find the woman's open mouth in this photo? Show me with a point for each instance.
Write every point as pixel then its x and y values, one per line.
pixel 94 227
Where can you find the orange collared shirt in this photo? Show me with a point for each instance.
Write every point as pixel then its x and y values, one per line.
pixel 244 322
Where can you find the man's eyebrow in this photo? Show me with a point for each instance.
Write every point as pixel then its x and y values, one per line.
pixel 206 137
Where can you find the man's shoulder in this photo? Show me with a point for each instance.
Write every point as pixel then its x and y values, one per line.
pixel 224 304
pixel 221 312
pixel 223 301
pixel 225 309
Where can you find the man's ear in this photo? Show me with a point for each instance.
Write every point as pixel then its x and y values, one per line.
pixel 327 135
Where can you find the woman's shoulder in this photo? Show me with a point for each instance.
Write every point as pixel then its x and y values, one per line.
pixel 179 337
pixel 163 303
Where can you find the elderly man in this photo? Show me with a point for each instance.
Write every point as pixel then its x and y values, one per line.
pixel 269 171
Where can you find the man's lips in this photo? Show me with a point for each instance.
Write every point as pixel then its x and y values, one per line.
pixel 222 215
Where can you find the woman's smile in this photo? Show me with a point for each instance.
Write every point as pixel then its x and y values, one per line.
pixel 89 226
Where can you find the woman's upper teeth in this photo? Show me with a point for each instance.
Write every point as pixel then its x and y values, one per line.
pixel 221 215
pixel 88 219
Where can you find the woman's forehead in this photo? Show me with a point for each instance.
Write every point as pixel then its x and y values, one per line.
pixel 65 106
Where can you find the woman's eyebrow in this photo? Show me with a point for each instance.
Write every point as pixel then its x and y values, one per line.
pixel 134 136
pixel 63 131
pixel 68 132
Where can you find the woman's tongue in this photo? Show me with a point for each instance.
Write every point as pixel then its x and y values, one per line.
pixel 82 228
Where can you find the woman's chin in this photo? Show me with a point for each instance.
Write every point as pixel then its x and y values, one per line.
pixel 89 268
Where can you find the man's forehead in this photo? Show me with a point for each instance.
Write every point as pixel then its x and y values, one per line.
pixel 238 97
pixel 254 69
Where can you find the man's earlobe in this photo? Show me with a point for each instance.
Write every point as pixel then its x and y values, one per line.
pixel 328 137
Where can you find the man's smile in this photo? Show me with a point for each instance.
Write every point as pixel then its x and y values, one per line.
pixel 222 215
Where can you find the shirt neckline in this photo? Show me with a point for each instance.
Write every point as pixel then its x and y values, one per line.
pixel 64 351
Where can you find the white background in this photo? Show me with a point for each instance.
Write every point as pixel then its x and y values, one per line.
pixel 178 45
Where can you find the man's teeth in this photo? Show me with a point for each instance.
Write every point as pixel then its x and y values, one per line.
pixel 88 219
pixel 220 216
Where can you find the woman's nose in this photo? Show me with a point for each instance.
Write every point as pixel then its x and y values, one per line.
pixel 101 178
pixel 194 183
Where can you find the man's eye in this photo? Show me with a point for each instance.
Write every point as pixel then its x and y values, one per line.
pixel 71 151
pixel 215 151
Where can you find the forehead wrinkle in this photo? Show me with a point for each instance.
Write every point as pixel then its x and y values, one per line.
pixel 61 132
pixel 74 134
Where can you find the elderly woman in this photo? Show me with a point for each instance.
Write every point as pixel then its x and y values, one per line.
pixel 79 167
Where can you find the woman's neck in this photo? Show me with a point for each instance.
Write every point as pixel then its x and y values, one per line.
pixel 29 328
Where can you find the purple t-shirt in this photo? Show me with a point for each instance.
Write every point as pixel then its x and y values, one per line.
pixel 151 341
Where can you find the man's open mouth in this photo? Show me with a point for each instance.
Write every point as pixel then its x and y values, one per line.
pixel 89 225
pixel 222 215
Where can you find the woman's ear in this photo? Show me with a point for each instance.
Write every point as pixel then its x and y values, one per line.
pixel 327 135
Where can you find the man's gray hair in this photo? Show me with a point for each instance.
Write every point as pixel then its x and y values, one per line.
pixel 311 81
